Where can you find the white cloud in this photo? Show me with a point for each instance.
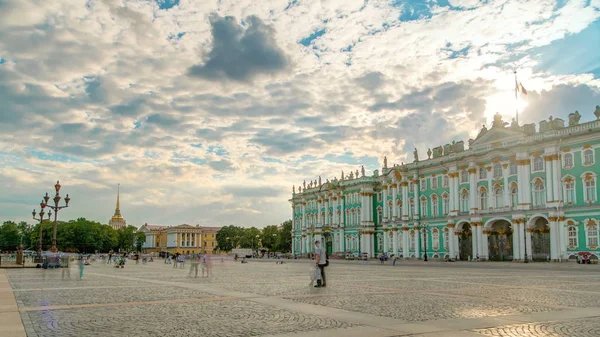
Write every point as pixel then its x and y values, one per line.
pixel 105 84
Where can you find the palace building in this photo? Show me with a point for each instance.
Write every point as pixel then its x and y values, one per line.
pixel 517 193
pixel 182 239
pixel 117 221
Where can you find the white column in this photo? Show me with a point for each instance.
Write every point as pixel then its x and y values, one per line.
pixel 450 192
pixel 386 215
pixel 474 240
pixel 554 242
pixel 549 188
pixel 417 243
pixel 505 172
pixel 490 190
pixel 472 192
pixel 395 241
pixel 405 242
pixel 484 252
pixel 481 241
pixel 521 242
pixel 417 183
pixel 405 201
pixel 451 249
pixel 526 187
pixel 386 241
pixel 556 178
pixel 562 236
pixel 529 247
pixel 394 201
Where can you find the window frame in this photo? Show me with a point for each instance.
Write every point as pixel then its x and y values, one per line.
pixel 534 163
pixel 566 165
pixel 583 157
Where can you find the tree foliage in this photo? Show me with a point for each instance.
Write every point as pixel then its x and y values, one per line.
pixel 78 236
pixel 271 238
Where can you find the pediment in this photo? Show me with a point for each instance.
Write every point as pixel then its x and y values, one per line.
pixel 495 135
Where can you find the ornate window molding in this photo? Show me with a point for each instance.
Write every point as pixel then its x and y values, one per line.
pixel 537 164
pixel 572 234
pixel 497 171
pixel 588 157
pixel 568 186
pixel 539 192
pixel 590 187
pixel 567 161
pixel 591 233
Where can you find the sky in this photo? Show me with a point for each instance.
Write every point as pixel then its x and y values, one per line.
pixel 208 112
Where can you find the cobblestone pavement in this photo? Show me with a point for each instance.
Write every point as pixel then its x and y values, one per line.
pixel 265 299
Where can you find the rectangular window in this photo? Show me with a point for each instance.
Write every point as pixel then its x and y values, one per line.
pixel 445 181
pixel 379 197
pixel 590 190
pixel 447 241
pixel 445 205
pixel 435 208
pixel 464 176
pixel 538 164
pixel 570 192
pixel 482 173
pixel 435 240
pixel 513 169
pixel 434 183
pixel 423 184
pixel 411 187
pixel 572 237
pixel 592 232
pixel 423 208
pixel 567 160
pixel 588 157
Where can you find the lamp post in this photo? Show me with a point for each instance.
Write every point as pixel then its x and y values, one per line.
pixel 41 220
pixel 55 208
pixel 424 228
pixel 525 260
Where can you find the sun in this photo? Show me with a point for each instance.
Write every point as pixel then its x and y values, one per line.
pixel 505 104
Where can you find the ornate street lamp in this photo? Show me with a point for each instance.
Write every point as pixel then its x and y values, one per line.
pixel 41 220
pixel 55 208
pixel 424 229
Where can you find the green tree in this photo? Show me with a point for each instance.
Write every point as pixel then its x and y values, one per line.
pixel 250 238
pixel 10 237
pixel 229 237
pixel 285 237
pixel 269 237
pixel 127 238
pixel 25 230
pixel 140 239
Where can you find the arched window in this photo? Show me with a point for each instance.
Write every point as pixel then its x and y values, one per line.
pixel 379 215
pixel 423 184
pixel 514 195
pixel 423 207
pixel 497 170
pixel 592 236
pixel 539 193
pixel 412 240
pixel 399 206
pixel 390 209
pixel 411 187
pixel 569 190
pixel 483 196
pixel 445 204
pixel 434 183
pixel 568 160
pixel 445 181
pixel 498 197
pixel 435 206
pixel 435 239
pixel 464 176
pixel 412 207
pixel 589 191
pixel 588 157
pixel 464 201
pixel 538 164
pixel 482 173
pixel 572 234
pixel 379 242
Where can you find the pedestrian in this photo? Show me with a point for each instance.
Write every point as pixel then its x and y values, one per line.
pixel 394 258
pixel 109 258
pixel 81 264
pixel 66 271
pixel 322 262
pixel 194 267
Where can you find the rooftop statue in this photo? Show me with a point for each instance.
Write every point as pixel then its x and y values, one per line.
pixel 319 181
pixel 351 175
pixel 597 112
pixel 342 175
pixel 304 184
pixel 293 189
pixel 498 122
pixel 429 154
pixel 416 154
pixel 514 124
pixel 299 189
pixel 483 131
pixel 384 161
pixel 362 170
pixel 574 118
pixel 357 174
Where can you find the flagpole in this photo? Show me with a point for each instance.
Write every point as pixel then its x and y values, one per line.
pixel 516 98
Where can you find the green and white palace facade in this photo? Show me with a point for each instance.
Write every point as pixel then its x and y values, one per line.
pixel 517 191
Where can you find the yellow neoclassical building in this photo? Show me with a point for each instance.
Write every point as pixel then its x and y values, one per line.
pixel 182 239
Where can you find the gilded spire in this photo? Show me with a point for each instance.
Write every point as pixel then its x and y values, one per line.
pixel 118 209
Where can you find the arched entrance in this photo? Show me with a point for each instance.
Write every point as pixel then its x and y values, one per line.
pixel 540 240
pixel 500 241
pixel 465 243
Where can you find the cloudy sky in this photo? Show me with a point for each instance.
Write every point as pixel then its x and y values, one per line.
pixel 208 111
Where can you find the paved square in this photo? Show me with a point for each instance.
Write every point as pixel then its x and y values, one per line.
pixel 265 299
